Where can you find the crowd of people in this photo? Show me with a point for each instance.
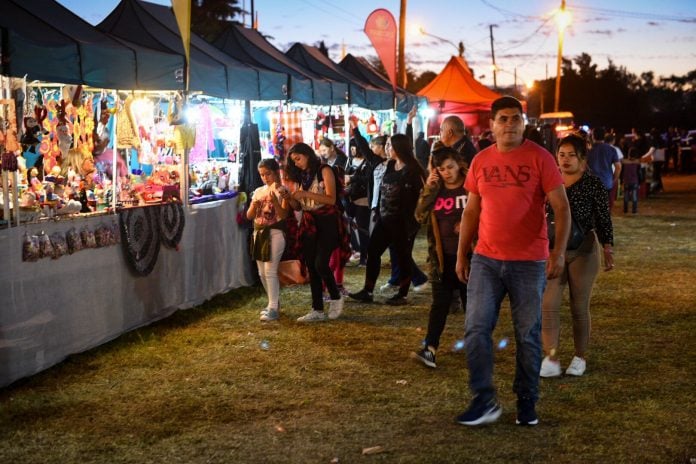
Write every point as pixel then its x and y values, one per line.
pixel 503 218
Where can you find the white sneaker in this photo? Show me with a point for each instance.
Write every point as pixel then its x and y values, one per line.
pixel 269 315
pixel 421 287
pixel 387 287
pixel 577 367
pixel 550 368
pixel 335 308
pixel 312 316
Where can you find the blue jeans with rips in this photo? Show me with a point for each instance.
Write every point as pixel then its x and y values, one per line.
pixel 489 281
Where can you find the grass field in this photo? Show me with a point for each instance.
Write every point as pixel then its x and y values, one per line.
pixel 214 385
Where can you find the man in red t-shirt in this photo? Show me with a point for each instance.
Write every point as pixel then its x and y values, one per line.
pixel 508 184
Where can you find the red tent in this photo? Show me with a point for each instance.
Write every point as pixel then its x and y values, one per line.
pixel 456 91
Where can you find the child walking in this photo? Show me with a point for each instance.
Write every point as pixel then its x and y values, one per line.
pixel 268 209
pixel 440 206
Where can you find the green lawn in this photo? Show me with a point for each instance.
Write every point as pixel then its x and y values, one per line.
pixel 214 385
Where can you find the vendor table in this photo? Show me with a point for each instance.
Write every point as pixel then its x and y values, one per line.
pixel 50 309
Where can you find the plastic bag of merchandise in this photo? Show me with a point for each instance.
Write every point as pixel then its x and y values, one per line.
pixel 60 245
pixel 30 247
pixel 104 236
pixel 74 241
pixel 116 233
pixel 45 247
pixel 88 239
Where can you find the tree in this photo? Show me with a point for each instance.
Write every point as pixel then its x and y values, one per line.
pixel 614 97
pixel 425 78
pixel 209 18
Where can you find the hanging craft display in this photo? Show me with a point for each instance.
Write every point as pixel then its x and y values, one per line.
pixel 171 223
pixel 140 238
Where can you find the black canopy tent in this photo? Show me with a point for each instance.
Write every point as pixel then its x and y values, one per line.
pixel 360 94
pixel 45 41
pixel 364 72
pixel 305 86
pixel 211 71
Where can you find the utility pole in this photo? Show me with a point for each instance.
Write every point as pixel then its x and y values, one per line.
pixel 562 19
pixel 495 80
pixel 402 44
pixel 254 18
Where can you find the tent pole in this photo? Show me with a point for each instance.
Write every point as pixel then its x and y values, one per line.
pixel 114 155
pixel 185 181
pixel 346 129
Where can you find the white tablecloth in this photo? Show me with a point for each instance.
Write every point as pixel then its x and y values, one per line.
pixel 50 309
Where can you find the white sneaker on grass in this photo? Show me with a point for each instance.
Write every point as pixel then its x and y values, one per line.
pixel 550 368
pixel 312 316
pixel 335 308
pixel 388 287
pixel 270 315
pixel 421 287
pixel 577 367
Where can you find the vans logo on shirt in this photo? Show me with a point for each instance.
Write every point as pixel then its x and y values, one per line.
pixel 507 175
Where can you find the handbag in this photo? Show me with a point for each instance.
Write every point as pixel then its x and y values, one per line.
pixel 577 233
pixel 292 272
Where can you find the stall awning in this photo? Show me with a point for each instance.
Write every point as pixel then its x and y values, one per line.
pixel 361 94
pixel 47 42
pixel 249 46
pixel 211 71
pixel 456 90
pixel 364 72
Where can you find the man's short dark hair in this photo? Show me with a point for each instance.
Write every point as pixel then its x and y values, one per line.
pixel 504 103
pixel 598 134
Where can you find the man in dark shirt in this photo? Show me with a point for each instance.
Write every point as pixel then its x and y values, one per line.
pixel 600 160
pixel 453 134
pixel 422 150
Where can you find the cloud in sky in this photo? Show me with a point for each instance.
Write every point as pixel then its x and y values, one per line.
pixel 605 32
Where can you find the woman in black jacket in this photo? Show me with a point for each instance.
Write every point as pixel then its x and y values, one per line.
pixel 396 224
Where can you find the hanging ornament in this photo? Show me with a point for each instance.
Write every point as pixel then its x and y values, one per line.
pixel 141 238
pixel 372 127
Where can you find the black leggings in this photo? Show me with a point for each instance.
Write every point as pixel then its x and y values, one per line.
pixel 317 251
pixel 443 293
pixel 385 233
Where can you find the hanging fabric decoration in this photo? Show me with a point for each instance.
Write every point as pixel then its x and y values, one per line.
pixel 171 223
pixel 140 238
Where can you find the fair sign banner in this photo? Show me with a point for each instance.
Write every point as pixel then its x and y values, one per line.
pixel 380 28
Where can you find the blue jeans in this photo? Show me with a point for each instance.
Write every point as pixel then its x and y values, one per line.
pixel 631 195
pixel 490 280
pixel 418 277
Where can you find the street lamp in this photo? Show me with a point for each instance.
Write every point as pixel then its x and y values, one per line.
pixel 460 47
pixel 562 20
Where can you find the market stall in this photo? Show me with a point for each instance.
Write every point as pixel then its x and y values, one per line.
pixel 101 234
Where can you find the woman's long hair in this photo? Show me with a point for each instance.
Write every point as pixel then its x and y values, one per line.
pixel 404 151
pixel 327 142
pixel 314 162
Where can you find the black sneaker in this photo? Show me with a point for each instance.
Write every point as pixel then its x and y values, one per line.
pixel 425 356
pixel 363 295
pixel 396 300
pixel 480 413
pixel 526 415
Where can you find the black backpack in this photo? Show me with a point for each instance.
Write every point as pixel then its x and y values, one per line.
pixel 358 183
pixel 339 178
